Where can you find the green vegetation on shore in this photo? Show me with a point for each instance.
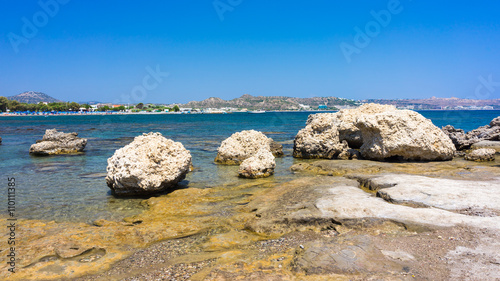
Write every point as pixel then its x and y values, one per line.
pixel 14 105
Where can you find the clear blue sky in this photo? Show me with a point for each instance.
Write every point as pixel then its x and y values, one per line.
pixel 99 50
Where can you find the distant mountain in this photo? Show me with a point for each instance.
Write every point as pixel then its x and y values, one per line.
pixel 270 103
pixel 33 97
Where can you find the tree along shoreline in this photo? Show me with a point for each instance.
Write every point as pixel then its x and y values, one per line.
pixel 20 108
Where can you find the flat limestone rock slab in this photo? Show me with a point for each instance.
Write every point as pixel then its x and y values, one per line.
pixel 445 194
pixel 325 202
pixel 347 203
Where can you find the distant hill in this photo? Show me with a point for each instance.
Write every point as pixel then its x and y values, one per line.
pixel 270 103
pixel 438 103
pixel 33 97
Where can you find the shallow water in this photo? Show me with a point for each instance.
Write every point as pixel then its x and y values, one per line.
pixel 72 187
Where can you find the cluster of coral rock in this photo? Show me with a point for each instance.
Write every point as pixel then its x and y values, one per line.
pixel 153 163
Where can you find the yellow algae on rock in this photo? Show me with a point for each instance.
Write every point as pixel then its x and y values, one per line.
pixel 51 250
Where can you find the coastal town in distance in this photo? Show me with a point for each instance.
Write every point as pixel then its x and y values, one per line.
pixel 37 103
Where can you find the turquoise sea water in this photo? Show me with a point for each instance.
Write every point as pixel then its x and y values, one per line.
pixel 72 187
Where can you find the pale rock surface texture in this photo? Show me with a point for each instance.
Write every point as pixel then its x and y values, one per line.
pixel 319 139
pixel 242 145
pixel 349 203
pixel 260 165
pixel 403 134
pixel 452 195
pixel 345 120
pixel 54 142
pixel 412 200
pixel 480 155
pixel 149 164
pixel 380 131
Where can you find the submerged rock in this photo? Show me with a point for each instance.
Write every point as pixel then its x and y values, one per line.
pixel 464 140
pixel 54 142
pixel 380 131
pixel 403 134
pixel 0 140
pixel 276 149
pixel 150 164
pixel 242 145
pixel 319 139
pixel 260 165
pixel 480 155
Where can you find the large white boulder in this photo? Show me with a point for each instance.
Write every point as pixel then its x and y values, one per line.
pixel 54 142
pixel 319 139
pixel 380 131
pixel 149 164
pixel 242 145
pixel 260 165
pixel 403 134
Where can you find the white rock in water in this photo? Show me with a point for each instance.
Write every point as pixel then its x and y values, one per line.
pixel 260 165
pixel 403 134
pixel 482 154
pixel 330 135
pixel 242 145
pixel 381 132
pixel 149 164
pixel 54 142
pixel 319 139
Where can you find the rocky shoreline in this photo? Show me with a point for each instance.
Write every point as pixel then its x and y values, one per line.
pixel 289 231
pixel 382 209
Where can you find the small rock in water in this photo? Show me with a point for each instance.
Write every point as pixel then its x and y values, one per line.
pixel 242 145
pixel 54 142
